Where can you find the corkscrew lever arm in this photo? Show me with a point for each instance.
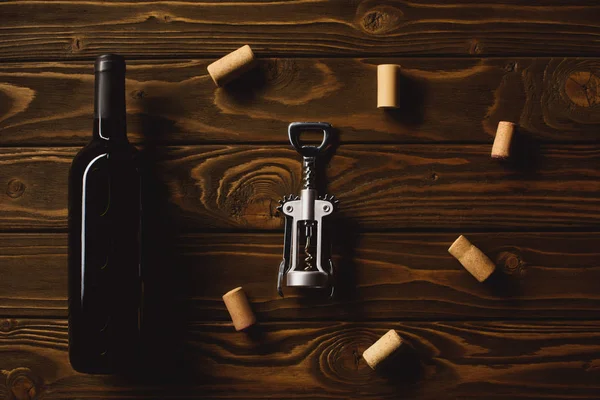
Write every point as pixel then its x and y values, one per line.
pixel 284 267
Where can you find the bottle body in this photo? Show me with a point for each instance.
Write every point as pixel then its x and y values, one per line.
pixel 104 244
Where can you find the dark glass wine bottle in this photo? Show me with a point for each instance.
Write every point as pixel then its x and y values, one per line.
pixel 104 235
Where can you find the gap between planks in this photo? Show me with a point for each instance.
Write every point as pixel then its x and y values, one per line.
pixel 320 56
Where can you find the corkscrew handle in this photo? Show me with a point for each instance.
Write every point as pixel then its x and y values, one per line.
pixel 295 130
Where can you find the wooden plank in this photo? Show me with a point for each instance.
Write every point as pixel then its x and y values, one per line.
pixel 35 187
pixel 442 100
pixel 35 30
pixel 496 360
pixel 380 276
pixel 451 187
pixel 34 274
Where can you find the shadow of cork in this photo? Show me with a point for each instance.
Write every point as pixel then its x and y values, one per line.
pixel 525 155
pixel 403 368
pixel 411 93
pixel 506 280
pixel 247 87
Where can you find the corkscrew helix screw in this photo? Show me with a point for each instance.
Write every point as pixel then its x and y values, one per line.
pixel 307 250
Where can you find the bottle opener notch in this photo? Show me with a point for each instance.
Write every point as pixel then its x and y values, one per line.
pixel 307 251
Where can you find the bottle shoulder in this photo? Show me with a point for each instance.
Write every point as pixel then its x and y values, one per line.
pixel 95 150
pixel 86 155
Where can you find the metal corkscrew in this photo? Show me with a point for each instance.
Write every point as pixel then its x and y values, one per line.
pixel 307 250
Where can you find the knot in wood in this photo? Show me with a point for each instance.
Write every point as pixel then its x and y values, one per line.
pixel 381 20
pixel 22 384
pixel 5 325
pixel 511 66
pixel 342 361
pixel 475 47
pixel 511 263
pixel 138 94
pixel 280 73
pixel 583 88
pixel 15 188
pixel 76 45
pixel 158 18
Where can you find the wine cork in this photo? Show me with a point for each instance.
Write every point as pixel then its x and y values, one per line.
pixel 239 308
pixel 387 82
pixel 473 259
pixel 502 141
pixel 234 64
pixel 386 346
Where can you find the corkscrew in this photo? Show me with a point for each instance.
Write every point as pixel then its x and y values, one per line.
pixel 306 249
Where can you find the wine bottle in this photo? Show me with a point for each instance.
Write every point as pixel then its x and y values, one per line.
pixel 104 234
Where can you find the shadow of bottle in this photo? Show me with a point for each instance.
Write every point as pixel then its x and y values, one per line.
pixel 166 283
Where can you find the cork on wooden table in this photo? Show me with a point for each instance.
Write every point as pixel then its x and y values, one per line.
pixel 387 85
pixel 239 308
pixel 231 66
pixel 382 349
pixel 473 259
pixel 503 140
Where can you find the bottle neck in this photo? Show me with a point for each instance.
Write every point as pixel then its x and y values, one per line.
pixel 109 104
pixel 110 129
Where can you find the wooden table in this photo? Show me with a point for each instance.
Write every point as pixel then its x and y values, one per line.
pixel 409 182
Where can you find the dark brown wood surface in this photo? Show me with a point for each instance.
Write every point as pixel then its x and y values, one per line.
pixel 382 276
pixel 323 361
pixel 391 187
pixel 410 181
pixel 75 28
pixel 442 100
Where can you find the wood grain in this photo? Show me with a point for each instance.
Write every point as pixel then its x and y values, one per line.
pixel 410 181
pixel 381 276
pixel 497 360
pixel 75 29
pixel 400 187
pixel 442 100
pixel 34 187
